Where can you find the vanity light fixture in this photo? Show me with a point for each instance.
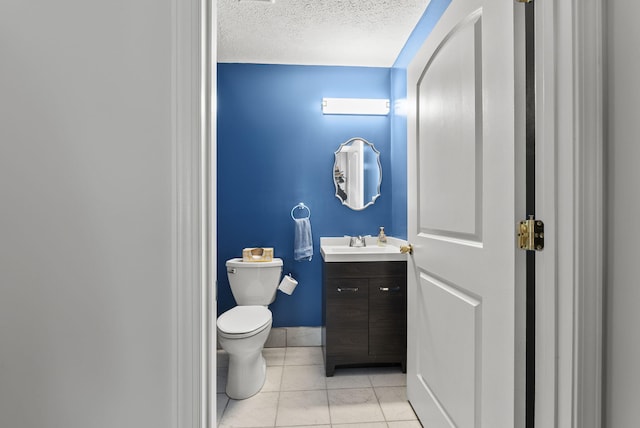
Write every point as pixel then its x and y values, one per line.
pixel 356 106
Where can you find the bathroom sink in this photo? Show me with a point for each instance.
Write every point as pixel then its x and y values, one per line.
pixel 356 250
pixel 338 250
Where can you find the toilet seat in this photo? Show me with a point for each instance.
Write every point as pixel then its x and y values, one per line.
pixel 243 321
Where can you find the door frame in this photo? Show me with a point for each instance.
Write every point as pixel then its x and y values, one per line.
pixel 570 196
pixel 570 162
pixel 194 212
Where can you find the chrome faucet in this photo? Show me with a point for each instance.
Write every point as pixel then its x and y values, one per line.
pixel 357 241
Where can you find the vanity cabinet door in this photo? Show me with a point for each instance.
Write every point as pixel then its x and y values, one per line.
pixel 387 316
pixel 364 313
pixel 347 318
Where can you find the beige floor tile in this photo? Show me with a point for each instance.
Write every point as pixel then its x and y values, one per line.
pixel 388 376
pixel 303 356
pixel 303 408
pixel 404 424
pixel 273 382
pixel 349 378
pixel 363 425
pixel 256 411
pixel 354 406
pixel 308 426
pixel 297 394
pixel 394 404
pixel 221 404
pixel 303 378
pixel 274 356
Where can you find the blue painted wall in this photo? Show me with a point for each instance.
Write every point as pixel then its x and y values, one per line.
pixel 423 28
pixel 275 149
pixel 399 152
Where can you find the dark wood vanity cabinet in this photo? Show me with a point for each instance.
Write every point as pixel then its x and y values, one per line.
pixel 364 313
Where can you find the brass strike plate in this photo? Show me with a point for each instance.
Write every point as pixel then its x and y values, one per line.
pixel 531 235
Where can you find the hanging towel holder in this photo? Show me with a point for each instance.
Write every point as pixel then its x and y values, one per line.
pixel 301 206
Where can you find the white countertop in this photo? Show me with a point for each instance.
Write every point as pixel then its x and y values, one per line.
pixel 337 249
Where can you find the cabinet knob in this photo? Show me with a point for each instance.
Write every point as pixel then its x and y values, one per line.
pixel 387 289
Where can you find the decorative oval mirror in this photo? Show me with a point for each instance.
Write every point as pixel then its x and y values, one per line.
pixel 357 173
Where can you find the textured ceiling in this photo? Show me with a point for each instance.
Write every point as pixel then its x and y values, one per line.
pixel 316 32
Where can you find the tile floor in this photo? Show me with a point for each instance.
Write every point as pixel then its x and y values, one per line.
pixel 297 394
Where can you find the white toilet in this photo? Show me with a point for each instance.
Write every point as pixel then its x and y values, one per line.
pixel 243 330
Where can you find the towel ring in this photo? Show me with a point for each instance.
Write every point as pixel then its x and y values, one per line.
pixel 301 206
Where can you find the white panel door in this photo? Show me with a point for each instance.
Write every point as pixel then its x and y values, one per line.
pixel 462 275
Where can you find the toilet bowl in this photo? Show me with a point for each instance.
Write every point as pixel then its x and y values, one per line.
pixel 242 332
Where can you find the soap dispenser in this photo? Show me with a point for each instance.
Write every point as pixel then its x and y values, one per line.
pixel 382 238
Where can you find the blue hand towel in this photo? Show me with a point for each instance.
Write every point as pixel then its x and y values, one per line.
pixel 303 242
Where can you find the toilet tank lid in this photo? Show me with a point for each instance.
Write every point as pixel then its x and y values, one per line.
pixel 243 319
pixel 238 262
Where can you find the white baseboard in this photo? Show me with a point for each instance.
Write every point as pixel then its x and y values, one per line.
pixel 281 337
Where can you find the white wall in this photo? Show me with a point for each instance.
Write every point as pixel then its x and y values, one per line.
pixel 86 305
pixel 622 371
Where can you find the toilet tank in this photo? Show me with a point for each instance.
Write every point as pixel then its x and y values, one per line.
pixel 254 283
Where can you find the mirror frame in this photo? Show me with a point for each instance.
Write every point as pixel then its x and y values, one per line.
pixel 335 164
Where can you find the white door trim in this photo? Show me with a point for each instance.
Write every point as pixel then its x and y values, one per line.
pixel 569 51
pixel 569 129
pixel 193 219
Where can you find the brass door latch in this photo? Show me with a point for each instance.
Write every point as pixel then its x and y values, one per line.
pixel 406 249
